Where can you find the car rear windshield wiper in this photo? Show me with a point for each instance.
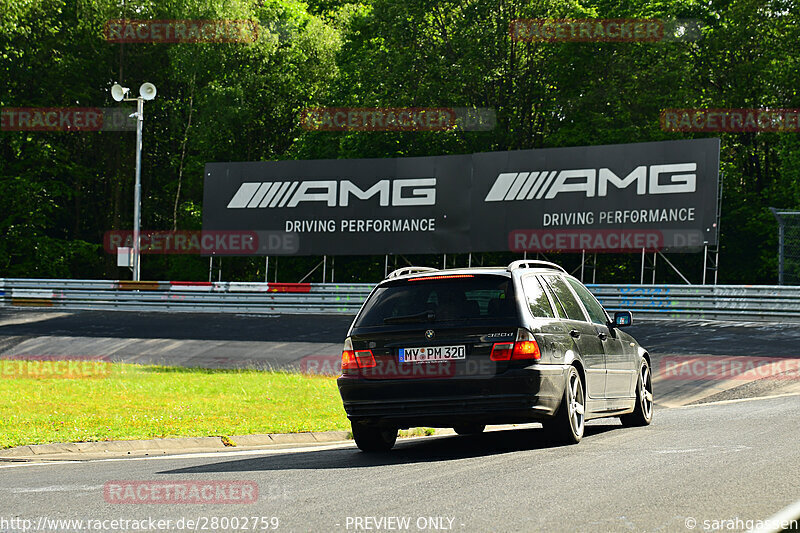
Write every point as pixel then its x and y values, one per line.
pixel 419 317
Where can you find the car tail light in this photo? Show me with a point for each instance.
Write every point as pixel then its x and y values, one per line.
pixel 525 347
pixel 349 361
pixel 365 359
pixel 501 351
pixel 355 359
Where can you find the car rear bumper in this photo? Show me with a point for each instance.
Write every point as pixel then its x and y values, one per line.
pixel 515 396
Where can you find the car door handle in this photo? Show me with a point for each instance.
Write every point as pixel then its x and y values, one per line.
pixel 602 336
pixel 574 333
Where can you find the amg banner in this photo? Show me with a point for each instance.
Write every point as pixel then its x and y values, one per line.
pixel 615 198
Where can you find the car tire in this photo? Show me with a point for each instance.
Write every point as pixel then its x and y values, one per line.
pixel 469 429
pixel 373 439
pixel 567 426
pixel 642 414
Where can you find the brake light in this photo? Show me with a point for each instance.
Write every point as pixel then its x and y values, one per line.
pixel 451 276
pixel 355 359
pixel 349 361
pixel 501 351
pixel 525 347
pixel 526 350
pixel 365 359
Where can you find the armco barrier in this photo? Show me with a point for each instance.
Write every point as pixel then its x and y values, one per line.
pixel 185 296
pixel 721 302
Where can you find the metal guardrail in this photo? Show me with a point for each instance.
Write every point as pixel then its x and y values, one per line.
pixel 233 297
pixel 719 302
pixel 741 302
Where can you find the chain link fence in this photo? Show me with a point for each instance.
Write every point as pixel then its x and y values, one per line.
pixel 788 246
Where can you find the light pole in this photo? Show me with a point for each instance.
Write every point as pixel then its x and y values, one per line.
pixel 146 92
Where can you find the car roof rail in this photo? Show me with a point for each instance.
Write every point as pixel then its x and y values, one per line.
pixel 409 270
pixel 531 263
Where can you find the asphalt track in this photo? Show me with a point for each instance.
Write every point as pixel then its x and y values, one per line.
pixel 313 342
pixel 220 340
pixel 723 462
pixel 733 462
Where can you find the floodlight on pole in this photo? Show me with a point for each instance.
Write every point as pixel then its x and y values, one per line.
pixel 146 92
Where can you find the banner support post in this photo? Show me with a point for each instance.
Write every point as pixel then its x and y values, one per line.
pixel 705 261
pixel 641 277
pixel 655 256
pixel 583 261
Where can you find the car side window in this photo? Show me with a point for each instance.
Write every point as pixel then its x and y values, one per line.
pixel 596 312
pixel 537 299
pixel 565 296
pixel 560 313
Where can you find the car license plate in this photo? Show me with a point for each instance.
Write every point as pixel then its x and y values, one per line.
pixel 432 353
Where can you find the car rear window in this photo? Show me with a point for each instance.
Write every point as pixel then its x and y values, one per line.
pixel 478 297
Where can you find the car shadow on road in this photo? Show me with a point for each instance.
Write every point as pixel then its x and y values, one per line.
pixel 407 451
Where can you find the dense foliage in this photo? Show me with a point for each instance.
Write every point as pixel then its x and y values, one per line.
pixel 59 192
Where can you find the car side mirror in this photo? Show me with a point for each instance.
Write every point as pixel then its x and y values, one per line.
pixel 623 319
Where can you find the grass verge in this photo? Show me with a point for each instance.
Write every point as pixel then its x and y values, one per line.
pixel 142 402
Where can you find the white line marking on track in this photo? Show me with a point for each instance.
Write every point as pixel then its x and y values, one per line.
pixel 774 523
pixel 201 455
pixel 737 400
pixel 53 488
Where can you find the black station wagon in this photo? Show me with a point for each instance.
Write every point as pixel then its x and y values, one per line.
pixel 463 348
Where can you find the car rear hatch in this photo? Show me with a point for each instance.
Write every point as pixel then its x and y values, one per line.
pixel 436 327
